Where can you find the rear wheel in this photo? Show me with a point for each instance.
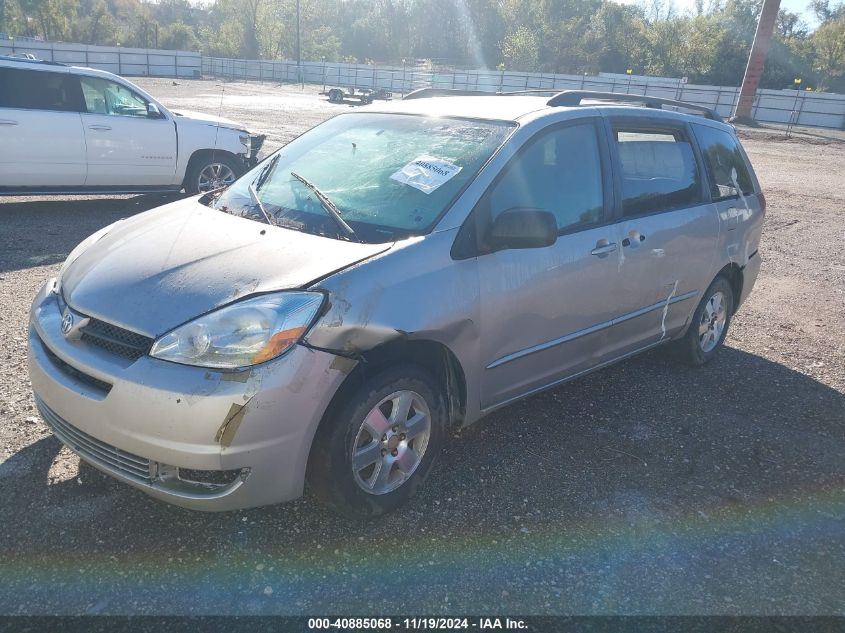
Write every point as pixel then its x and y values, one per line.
pixel 709 325
pixel 376 448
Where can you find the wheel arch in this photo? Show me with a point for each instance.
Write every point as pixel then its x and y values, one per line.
pixel 733 273
pixel 202 154
pixel 433 356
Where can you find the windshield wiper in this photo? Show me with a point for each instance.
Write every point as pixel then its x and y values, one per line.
pixel 266 171
pixel 328 205
pixel 255 199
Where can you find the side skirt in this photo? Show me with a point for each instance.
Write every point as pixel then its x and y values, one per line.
pixel 560 381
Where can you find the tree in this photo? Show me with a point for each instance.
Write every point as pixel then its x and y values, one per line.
pixel 178 36
pixel 826 13
pixel 520 50
pixel 829 44
pixel 709 43
pixel 250 9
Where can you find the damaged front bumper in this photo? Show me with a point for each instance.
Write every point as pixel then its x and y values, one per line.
pixel 256 142
pixel 197 438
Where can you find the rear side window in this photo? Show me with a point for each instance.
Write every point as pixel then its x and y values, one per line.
pixel 721 157
pixel 658 170
pixel 559 172
pixel 39 90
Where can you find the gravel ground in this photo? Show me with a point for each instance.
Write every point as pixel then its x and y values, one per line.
pixel 645 488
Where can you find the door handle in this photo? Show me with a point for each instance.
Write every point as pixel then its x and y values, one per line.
pixel 603 250
pixel 8 122
pixel 100 128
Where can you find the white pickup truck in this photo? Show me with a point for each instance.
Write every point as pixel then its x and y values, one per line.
pixel 69 130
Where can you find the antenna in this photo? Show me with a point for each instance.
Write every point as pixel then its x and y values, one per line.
pixel 217 126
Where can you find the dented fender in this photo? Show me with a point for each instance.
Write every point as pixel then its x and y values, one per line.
pixel 416 291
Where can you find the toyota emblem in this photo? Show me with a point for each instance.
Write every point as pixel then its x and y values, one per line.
pixel 67 323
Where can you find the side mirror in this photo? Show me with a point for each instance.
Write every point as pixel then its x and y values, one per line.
pixel 522 227
pixel 153 112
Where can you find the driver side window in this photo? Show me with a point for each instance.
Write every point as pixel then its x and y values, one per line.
pixel 560 172
pixel 107 97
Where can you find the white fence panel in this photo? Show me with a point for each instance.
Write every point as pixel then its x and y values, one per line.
pixel 773 106
pixel 115 59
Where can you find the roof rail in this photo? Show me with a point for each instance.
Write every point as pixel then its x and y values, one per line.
pixel 574 98
pixel 12 58
pixel 424 93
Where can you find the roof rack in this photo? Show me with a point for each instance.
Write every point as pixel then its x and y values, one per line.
pixel 568 98
pixel 424 93
pixel 26 60
pixel 574 98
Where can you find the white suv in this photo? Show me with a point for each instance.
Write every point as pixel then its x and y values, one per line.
pixel 65 129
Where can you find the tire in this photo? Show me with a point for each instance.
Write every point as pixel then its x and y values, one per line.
pixel 705 336
pixel 353 486
pixel 199 178
pixel 335 96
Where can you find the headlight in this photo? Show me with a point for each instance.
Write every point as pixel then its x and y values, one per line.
pixel 244 139
pixel 243 333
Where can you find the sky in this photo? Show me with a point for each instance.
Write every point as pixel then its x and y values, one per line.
pixel 796 6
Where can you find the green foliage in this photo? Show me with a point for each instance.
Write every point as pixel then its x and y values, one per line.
pixel 828 44
pixel 179 36
pixel 520 50
pixel 709 44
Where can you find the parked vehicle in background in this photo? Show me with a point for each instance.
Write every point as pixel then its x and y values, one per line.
pixel 363 95
pixel 389 275
pixel 65 129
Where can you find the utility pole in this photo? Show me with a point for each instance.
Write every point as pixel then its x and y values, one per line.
pixel 756 59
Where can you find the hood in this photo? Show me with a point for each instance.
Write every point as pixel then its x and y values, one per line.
pixel 208 119
pixel 167 266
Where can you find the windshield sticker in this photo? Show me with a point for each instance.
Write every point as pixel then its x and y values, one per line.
pixel 426 173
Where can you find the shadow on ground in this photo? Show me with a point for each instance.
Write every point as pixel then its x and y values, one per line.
pixel 36 231
pixel 644 488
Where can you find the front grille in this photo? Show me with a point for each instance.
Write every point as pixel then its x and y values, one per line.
pixel 116 340
pixel 93 450
pixel 73 372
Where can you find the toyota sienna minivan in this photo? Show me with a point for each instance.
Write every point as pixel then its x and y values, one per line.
pixel 391 274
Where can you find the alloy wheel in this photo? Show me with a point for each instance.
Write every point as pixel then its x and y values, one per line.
pixel 214 176
pixel 713 320
pixel 391 442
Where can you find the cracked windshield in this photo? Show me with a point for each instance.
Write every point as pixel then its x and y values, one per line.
pixel 386 176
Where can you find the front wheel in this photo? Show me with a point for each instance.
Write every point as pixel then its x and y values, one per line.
pixel 375 449
pixel 709 326
pixel 211 172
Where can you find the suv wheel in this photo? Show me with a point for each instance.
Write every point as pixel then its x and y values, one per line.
pixel 211 172
pixel 709 325
pixel 377 447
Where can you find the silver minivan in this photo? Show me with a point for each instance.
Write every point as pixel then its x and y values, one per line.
pixel 394 273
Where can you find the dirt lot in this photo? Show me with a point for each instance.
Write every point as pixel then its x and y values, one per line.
pixel 645 488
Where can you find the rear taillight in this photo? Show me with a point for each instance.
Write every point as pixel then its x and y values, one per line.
pixel 762 198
